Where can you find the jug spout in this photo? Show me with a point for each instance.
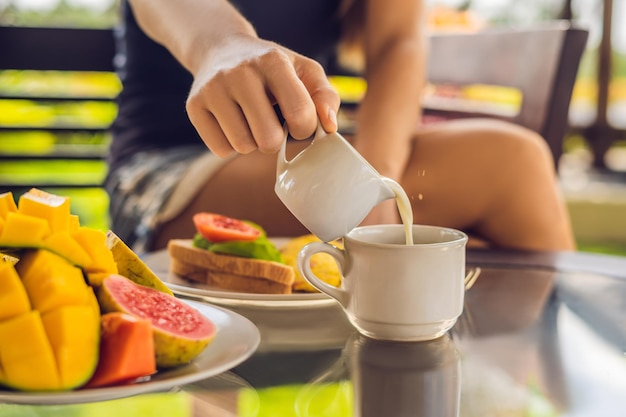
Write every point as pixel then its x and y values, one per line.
pixel 388 189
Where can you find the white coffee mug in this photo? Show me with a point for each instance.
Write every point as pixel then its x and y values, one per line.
pixel 394 291
pixel 329 187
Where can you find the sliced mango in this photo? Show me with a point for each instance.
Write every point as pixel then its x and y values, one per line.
pixel 13 298
pixel 95 278
pixel 50 207
pixel 74 222
pixel 7 204
pixel 61 283
pixel 21 230
pixel 94 242
pixel 74 339
pixel 26 355
pixel 54 344
pixel 49 315
pixel 65 245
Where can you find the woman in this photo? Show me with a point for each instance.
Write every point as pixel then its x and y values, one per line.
pixel 229 65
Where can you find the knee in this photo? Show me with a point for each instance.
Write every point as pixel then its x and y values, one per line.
pixel 516 146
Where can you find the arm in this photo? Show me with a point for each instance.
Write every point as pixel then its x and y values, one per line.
pixel 395 54
pixel 238 77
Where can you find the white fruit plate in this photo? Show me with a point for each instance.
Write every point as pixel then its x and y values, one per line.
pixel 236 339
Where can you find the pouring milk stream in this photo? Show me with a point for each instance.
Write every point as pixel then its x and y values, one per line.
pixel 330 188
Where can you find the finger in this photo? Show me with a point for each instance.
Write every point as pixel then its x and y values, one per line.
pixel 235 126
pixel 209 130
pixel 327 104
pixel 217 100
pixel 324 96
pixel 293 98
pixel 261 117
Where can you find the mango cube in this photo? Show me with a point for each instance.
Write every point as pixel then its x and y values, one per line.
pixel 74 339
pixel 13 297
pixel 7 204
pixel 74 222
pixel 62 243
pixel 50 207
pixel 21 230
pixel 95 244
pixel 26 355
pixel 51 281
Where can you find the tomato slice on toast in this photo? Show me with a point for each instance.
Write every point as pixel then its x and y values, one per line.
pixel 218 228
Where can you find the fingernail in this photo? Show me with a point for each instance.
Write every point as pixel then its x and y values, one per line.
pixel 332 115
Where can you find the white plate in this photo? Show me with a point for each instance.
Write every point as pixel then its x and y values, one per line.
pixel 159 263
pixel 236 339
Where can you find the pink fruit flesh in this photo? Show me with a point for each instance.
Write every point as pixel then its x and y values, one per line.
pixel 163 310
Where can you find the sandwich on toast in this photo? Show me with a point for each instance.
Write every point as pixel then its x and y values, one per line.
pixel 229 271
pixel 232 255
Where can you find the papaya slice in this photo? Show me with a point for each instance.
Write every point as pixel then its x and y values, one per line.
pixel 126 350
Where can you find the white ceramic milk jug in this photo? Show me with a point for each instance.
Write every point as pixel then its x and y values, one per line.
pixel 329 187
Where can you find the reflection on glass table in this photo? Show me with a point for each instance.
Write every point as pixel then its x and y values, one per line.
pixel 531 342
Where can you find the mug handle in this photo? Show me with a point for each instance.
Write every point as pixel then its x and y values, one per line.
pixel 304 265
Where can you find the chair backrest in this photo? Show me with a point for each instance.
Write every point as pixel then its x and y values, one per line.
pixel 541 62
pixel 69 142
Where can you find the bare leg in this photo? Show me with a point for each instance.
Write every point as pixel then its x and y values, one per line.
pixel 491 179
pixel 487 178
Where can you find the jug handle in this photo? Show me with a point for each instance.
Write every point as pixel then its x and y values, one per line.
pixel 282 163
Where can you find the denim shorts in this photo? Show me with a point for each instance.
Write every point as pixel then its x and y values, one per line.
pixel 141 190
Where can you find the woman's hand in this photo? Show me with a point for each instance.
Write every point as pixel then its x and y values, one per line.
pixel 238 78
pixel 238 83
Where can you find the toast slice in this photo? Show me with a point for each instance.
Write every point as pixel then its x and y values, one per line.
pixel 229 272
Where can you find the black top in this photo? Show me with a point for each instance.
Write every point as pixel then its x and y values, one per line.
pixel 151 110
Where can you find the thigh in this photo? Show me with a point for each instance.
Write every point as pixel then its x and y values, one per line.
pixel 490 178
